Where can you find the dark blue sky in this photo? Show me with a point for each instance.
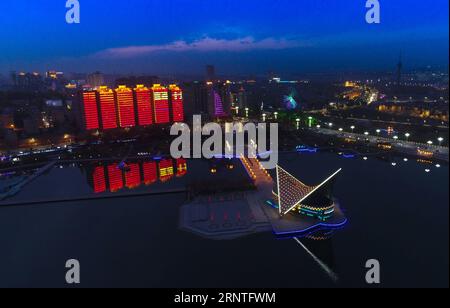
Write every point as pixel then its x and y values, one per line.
pixel 238 36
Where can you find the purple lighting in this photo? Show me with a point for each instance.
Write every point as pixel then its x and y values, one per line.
pixel 218 105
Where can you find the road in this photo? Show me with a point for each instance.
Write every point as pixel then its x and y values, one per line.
pixel 402 146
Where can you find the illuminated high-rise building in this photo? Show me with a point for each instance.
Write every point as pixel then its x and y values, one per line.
pixel 176 96
pixel 161 104
pixel 90 110
pixel 125 106
pixel 218 98
pixel 166 171
pixel 218 104
pixel 107 108
pixel 144 105
pixel 181 167
pixel 150 171
pixel 115 177
pixel 133 176
pixel 99 179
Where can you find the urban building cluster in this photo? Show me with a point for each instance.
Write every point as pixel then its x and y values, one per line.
pixel 104 108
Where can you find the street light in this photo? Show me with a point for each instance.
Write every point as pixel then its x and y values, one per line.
pixel 341 130
pixel 366 133
pixel 264 117
pixel 378 131
pixel 276 115
pixel 407 135
pixel 353 128
pixel 395 137
pixel 440 139
pixel 298 123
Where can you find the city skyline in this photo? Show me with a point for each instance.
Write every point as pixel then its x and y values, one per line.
pixel 202 145
pixel 170 37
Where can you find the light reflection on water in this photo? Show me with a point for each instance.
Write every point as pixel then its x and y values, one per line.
pixel 113 177
pixel 398 215
pixel 108 178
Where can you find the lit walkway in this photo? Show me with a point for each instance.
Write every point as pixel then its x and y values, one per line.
pixel 403 146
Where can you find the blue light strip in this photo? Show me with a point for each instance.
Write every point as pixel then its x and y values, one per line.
pixel 307 150
pixel 275 206
pixel 314 227
pixel 310 211
pixel 348 156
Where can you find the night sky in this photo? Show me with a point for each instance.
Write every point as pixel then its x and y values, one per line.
pixel 238 36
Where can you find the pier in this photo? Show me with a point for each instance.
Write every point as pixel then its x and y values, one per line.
pixel 17 187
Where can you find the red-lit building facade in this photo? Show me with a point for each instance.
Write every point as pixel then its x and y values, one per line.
pixel 125 107
pixel 160 103
pixel 176 96
pixel 105 109
pixel 112 178
pixel 144 105
pixel 91 118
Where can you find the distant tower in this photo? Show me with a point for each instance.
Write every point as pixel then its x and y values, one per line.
pixel 96 80
pixel 399 70
pixel 210 73
pixel 14 78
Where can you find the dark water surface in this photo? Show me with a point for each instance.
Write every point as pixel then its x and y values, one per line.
pixel 398 215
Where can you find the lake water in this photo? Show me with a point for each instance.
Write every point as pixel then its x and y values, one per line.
pixel 397 215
